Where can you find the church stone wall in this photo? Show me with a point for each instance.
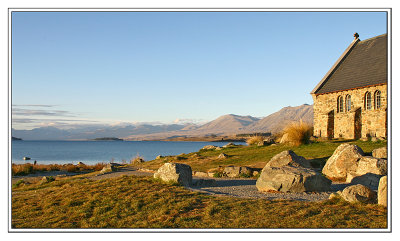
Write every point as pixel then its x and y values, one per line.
pixel 372 122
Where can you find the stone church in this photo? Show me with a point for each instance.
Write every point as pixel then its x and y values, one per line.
pixel 351 100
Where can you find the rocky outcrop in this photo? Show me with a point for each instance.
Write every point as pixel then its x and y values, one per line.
pixel 380 153
pixel 359 193
pixel 382 191
pixel 237 171
pixel 175 172
pixel 288 172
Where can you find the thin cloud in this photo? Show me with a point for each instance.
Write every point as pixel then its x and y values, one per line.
pixel 46 106
pixel 36 112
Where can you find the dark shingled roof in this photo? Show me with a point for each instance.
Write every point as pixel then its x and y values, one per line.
pixel 365 64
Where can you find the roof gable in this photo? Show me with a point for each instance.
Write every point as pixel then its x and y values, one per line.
pixel 364 63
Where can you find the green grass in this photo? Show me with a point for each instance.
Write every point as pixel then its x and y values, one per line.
pixel 142 202
pixel 258 156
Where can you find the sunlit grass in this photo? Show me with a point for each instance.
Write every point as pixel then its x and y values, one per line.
pixel 142 202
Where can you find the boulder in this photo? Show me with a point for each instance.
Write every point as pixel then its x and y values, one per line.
pixel 288 172
pixel 343 161
pixel 222 156
pixel 288 158
pixel 237 171
pixel 369 164
pixel 292 179
pixel 137 160
pixel 380 153
pixel 175 172
pixel 382 191
pixel 359 193
pixel 159 157
pixel 111 167
pixel 204 183
pixel 369 180
pixel 266 142
pixel 200 174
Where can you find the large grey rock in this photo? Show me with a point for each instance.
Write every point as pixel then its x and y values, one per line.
pixel 359 193
pixel 292 179
pixel 382 191
pixel 237 171
pixel 369 180
pixel 369 164
pixel 343 161
pixel 380 152
pixel 175 172
pixel 288 172
pixel 288 158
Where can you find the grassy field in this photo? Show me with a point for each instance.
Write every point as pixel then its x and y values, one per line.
pixel 142 202
pixel 258 156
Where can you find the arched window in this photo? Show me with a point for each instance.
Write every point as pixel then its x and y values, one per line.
pixel 340 104
pixel 367 101
pixel 348 102
pixel 377 100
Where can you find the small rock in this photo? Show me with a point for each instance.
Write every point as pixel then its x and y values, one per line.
pixel 200 174
pixel 47 179
pixel 236 171
pixel 334 195
pixel 229 145
pixel 359 193
pixel 159 157
pixel 374 139
pixel 108 168
pixel 222 156
pixel 208 147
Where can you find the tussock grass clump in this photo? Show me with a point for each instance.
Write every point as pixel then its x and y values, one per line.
pixel 254 140
pixel 298 133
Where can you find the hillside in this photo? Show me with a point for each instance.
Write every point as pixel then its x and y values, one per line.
pixel 278 120
pixel 227 124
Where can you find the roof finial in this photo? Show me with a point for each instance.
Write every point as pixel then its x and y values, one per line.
pixel 356 35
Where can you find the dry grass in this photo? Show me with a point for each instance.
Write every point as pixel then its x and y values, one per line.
pixel 298 133
pixel 142 202
pixel 28 168
pixel 254 140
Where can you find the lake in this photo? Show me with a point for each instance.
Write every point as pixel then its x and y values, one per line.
pixel 91 152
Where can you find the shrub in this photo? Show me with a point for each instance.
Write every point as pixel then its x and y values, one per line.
pixel 298 133
pixel 254 140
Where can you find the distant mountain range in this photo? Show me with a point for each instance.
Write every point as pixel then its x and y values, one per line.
pixel 224 125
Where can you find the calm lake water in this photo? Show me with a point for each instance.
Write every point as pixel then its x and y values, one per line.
pixel 91 152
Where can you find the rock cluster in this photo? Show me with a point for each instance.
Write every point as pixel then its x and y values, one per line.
pixel 348 161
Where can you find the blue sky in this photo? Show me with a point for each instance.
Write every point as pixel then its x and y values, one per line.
pixel 71 68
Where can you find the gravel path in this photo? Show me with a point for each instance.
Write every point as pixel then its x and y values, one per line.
pixel 246 188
